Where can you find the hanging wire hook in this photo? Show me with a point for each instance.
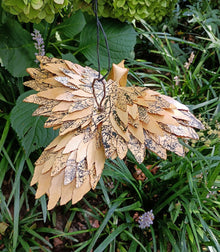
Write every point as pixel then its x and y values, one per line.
pixel 100 27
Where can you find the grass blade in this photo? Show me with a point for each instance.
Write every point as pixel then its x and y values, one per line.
pixel 105 221
pixel 111 237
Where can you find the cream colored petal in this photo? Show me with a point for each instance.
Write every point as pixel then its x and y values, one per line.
pixel 55 190
pixel 53 93
pixel 137 132
pixel 37 173
pixel 78 114
pixel 43 184
pixel 118 129
pixel 59 163
pixel 122 148
pixel 67 192
pixel 137 148
pixel 153 127
pixel 70 169
pixel 82 151
pixel 133 111
pixel 62 106
pixel 73 144
pixel 63 142
pixel 99 160
pixel 78 193
pixel 91 150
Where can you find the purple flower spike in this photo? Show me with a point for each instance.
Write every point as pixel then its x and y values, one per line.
pixel 39 45
pixel 146 219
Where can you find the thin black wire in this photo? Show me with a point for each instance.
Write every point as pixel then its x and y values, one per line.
pixel 99 26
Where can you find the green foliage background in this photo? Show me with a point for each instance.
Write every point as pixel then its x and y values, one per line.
pixel 150 10
pixel 182 192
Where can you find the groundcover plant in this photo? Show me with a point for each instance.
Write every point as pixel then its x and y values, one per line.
pixel 152 205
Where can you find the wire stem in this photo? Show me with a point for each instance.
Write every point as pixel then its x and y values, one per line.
pixel 101 79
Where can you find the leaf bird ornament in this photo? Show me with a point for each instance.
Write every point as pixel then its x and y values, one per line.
pixel 98 120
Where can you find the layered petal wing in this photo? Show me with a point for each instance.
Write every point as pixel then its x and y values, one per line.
pixel 98 120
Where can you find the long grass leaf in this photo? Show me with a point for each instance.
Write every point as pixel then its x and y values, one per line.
pixel 105 221
pixel 188 210
pixel 154 238
pixel 171 239
pixel 105 193
pixel 16 193
pixel 111 237
pixel 133 246
pixel 19 169
pixel 172 197
pixel 136 240
pixel 24 244
pixel 133 207
pixel 212 236
pixel 37 235
pixel 4 134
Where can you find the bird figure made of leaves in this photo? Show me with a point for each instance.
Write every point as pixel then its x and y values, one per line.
pixel 98 120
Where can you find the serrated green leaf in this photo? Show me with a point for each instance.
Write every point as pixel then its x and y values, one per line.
pixel 16 48
pixel 30 129
pixel 121 39
pixel 72 25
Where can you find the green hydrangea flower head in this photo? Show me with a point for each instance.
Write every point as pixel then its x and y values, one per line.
pixel 34 10
pixel 152 11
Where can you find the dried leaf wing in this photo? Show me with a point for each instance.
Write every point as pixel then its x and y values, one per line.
pixel 177 104
pixel 53 93
pixel 91 150
pixel 151 145
pixel 180 131
pixel 37 173
pixel 59 163
pixel 73 143
pixel 62 106
pixel 99 160
pixel 193 121
pixel 122 147
pixel 82 151
pixel 152 126
pixel 98 120
pixel 38 74
pixel 63 140
pixel 55 190
pixel 133 111
pixel 43 184
pixel 67 192
pixel 137 132
pixel 79 192
pixel 70 169
pixel 47 165
pixel 117 128
pixel 137 148
pixel 78 114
